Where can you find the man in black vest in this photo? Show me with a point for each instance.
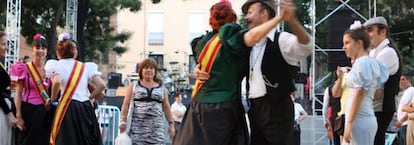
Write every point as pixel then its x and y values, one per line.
pixel 382 49
pixel 271 74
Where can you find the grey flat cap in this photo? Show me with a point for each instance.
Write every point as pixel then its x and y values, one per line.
pixel 268 3
pixel 376 20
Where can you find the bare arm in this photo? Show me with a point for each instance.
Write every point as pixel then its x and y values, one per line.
pixel 303 115
pixel 254 35
pixel 356 104
pixel 167 111
pixel 18 104
pixel 409 108
pixel 125 108
pixel 18 98
pixel 126 102
pixel 337 87
pixel 55 87
pixel 99 87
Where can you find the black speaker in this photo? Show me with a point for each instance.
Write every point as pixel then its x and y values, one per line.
pixel 114 80
pixel 337 24
pixel 337 59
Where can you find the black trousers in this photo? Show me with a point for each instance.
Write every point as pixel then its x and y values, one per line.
pixel 271 120
pixel 296 134
pixel 383 119
pixel 213 124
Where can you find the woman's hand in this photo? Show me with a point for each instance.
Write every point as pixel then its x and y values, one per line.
pixel 171 130
pixel 347 132
pixel 122 127
pixel 20 124
pixel 200 75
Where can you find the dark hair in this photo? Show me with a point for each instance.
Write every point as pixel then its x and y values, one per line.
pixel 65 49
pixel 220 14
pixel 383 27
pixel 2 34
pixel 146 63
pixel 177 94
pixel 359 34
pixel 406 76
pixel 39 41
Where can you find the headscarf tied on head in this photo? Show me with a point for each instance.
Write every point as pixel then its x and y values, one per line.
pixel 221 13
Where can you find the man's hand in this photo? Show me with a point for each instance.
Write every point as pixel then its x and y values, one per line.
pixel 288 10
pixel 200 75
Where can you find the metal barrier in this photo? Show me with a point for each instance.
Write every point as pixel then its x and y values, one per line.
pixel 108 119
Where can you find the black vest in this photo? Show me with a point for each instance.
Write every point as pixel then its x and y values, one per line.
pixel 276 71
pixel 391 87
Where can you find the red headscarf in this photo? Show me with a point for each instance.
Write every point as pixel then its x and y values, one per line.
pixel 221 13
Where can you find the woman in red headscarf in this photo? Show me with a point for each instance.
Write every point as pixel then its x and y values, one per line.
pixel 216 115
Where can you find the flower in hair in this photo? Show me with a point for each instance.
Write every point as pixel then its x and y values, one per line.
pixel 64 36
pixel 38 36
pixel 355 25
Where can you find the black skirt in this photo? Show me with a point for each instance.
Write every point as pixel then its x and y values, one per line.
pixel 213 124
pixel 34 118
pixel 79 125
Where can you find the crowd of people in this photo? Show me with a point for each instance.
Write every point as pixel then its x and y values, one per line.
pixel 358 106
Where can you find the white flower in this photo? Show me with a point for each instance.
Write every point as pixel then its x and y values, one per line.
pixel 355 25
pixel 64 36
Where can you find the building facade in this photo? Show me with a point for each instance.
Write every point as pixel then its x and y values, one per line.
pixel 164 31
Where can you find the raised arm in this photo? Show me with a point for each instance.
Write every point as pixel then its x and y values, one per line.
pixel 254 35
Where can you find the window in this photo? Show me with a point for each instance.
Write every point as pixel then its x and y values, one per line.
pixel 155 27
pixel 197 22
pixel 159 58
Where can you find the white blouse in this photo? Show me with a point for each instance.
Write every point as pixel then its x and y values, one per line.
pixel 64 67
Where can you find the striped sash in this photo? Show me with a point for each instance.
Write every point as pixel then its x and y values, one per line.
pixel 40 87
pixel 206 59
pixel 65 99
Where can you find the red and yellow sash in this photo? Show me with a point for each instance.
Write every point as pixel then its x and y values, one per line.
pixel 206 59
pixel 40 87
pixel 65 99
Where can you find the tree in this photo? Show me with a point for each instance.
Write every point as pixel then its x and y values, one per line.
pixel 94 32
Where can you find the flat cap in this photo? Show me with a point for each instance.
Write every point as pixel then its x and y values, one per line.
pixel 268 3
pixel 376 20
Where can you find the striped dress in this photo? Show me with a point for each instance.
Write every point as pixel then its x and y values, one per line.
pixel 147 126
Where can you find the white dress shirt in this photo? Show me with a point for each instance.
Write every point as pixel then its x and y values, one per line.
pixel 292 51
pixel 386 55
pixel 405 100
pixel 180 108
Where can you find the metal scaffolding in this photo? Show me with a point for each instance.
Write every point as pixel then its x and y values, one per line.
pixel 72 17
pixel 316 87
pixel 12 32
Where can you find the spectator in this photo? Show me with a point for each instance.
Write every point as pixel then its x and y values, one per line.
pixel 408 93
pixel 178 110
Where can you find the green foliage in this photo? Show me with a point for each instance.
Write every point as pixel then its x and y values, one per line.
pixel 44 16
pixel 400 16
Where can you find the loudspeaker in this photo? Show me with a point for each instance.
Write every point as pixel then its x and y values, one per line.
pixel 337 24
pixel 114 80
pixel 336 59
